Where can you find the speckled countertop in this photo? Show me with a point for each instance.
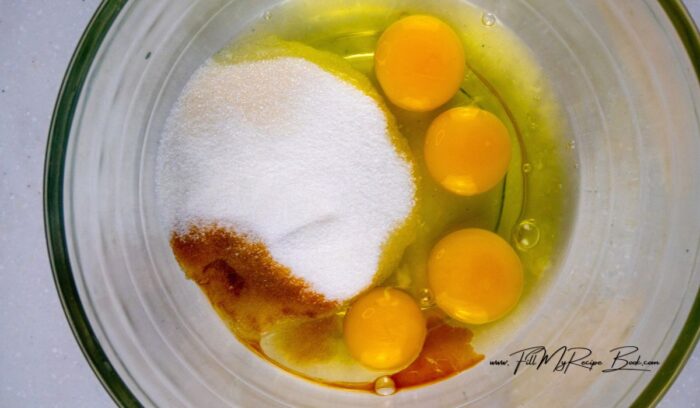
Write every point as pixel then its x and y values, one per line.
pixel 40 362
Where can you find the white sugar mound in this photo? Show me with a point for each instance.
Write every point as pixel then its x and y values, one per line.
pixel 290 155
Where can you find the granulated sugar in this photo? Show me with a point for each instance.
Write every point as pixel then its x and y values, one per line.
pixel 292 156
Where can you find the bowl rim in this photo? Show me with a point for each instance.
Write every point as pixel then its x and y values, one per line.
pixel 55 232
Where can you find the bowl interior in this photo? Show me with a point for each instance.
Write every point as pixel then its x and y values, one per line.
pixel 626 274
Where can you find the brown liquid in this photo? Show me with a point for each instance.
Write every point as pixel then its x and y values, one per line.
pixel 247 287
pixel 446 351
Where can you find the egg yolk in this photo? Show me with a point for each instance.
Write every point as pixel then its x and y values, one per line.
pixel 419 62
pixel 475 276
pixel 467 150
pixel 384 329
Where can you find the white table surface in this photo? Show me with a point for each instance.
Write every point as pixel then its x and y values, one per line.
pixel 40 362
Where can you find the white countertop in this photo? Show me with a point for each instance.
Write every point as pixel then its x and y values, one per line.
pixel 40 363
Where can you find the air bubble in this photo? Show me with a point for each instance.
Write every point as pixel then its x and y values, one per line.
pixel 267 16
pixel 426 299
pixel 488 19
pixel 526 235
pixel 527 167
pixel 384 386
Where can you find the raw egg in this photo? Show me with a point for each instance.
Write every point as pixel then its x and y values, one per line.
pixel 419 62
pixel 475 275
pixel 384 329
pixel 316 349
pixel 467 150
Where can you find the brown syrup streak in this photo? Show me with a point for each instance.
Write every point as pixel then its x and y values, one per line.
pixel 447 351
pixel 248 288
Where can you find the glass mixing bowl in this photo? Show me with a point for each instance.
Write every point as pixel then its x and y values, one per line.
pixel 625 73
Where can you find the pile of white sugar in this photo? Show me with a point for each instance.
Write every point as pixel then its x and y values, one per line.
pixel 288 154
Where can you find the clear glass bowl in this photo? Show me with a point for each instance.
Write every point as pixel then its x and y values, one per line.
pixel 626 74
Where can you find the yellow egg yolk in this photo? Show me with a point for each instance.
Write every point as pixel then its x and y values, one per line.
pixel 467 150
pixel 384 329
pixel 475 275
pixel 419 62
